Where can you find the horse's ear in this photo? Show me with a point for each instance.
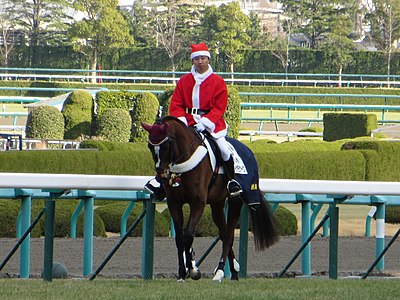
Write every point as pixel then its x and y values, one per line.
pixel 146 127
pixel 164 127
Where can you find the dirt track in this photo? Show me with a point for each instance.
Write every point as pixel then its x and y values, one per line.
pixel 356 254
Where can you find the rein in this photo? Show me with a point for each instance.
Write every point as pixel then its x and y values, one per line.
pixel 188 165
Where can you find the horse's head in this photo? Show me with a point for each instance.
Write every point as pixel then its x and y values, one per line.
pixel 159 143
pixel 171 143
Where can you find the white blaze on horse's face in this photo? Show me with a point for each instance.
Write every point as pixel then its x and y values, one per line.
pixel 157 152
pixel 161 173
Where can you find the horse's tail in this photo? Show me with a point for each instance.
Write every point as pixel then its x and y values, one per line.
pixel 265 228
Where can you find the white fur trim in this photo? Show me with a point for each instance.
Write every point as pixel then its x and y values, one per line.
pixel 183 119
pixel 200 53
pixel 191 163
pixel 206 122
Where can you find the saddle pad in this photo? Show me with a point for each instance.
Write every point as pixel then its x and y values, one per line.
pixel 240 168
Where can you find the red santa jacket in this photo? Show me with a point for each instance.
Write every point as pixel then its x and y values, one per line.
pixel 213 97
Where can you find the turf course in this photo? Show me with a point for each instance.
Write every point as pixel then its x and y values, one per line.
pixel 288 288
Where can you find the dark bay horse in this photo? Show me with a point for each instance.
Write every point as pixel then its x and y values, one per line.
pixel 184 168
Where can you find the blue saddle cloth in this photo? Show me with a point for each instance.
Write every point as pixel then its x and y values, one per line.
pixel 250 181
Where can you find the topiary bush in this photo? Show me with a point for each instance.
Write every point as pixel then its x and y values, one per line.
pixel 287 221
pixel 77 111
pixel 114 125
pixel 62 220
pixel 392 214
pixel 45 122
pixel 232 113
pixel 8 218
pixel 206 226
pixel 111 215
pixel 145 109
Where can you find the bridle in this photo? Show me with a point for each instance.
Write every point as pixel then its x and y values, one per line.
pixel 174 169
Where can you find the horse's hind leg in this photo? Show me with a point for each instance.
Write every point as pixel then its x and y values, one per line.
pixel 227 232
pixel 233 265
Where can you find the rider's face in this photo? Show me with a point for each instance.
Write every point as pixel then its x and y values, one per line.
pixel 201 63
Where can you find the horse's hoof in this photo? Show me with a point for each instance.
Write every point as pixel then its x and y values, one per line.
pixel 235 277
pixel 219 275
pixel 195 274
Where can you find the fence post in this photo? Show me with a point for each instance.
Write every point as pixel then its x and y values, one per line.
pixel 243 240
pixel 26 205
pixel 333 240
pixel 380 234
pixel 148 240
pixel 88 199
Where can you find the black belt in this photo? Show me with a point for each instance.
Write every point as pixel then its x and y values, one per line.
pixel 196 111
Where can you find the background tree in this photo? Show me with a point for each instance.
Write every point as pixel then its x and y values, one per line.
pixel 6 35
pixel 338 45
pixel 226 29
pixel 168 24
pixel 314 18
pixel 384 19
pixel 258 37
pixel 43 20
pixel 102 27
pixel 280 45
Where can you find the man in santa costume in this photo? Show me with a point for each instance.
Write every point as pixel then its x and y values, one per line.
pixel 200 100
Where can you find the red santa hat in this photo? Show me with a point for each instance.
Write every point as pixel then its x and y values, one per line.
pixel 200 50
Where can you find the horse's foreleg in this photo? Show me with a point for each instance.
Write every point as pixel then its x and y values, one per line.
pixel 196 212
pixel 182 271
pixel 177 217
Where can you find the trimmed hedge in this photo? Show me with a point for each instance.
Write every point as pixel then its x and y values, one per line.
pixel 145 109
pixel 111 215
pixel 45 122
pixel 9 210
pixel 206 226
pixel 338 126
pixel 112 146
pixel 326 165
pixel 114 125
pixel 137 162
pixel 62 220
pixel 392 214
pixel 77 111
pixel 382 159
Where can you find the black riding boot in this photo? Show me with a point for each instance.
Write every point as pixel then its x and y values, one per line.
pixel 234 188
pixel 157 193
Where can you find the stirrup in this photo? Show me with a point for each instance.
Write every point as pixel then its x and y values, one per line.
pixel 234 188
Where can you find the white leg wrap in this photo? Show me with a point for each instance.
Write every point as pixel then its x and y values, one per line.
pixel 236 265
pixel 219 275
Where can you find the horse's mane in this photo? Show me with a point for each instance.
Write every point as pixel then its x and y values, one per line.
pixel 172 118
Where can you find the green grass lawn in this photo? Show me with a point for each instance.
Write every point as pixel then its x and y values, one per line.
pixel 312 288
